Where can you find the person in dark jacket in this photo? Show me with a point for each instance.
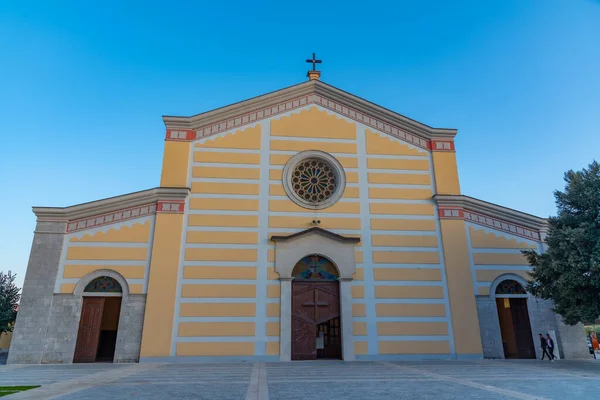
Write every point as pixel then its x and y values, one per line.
pixel 550 343
pixel 544 345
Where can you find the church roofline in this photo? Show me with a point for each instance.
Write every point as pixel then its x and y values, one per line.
pixel 492 210
pixel 316 229
pixel 209 123
pixel 110 204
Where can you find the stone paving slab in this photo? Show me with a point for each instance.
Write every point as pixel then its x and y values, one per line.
pixel 487 379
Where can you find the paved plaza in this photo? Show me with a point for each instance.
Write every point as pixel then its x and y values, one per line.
pixel 488 379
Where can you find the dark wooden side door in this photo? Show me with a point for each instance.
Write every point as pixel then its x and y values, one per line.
pixel 312 304
pixel 89 330
pixel 522 326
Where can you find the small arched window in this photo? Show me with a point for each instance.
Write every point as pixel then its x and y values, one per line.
pixel 315 267
pixel 103 284
pixel 510 286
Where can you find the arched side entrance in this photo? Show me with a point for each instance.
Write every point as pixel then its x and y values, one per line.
pixel 513 315
pixel 316 323
pixel 102 295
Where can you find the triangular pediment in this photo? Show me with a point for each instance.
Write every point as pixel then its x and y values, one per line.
pixel 313 92
pixel 318 231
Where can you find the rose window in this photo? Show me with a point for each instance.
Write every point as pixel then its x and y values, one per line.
pixel 314 181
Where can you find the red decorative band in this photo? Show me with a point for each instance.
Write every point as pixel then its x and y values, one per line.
pixel 171 206
pixel 501 225
pixel 442 145
pixel 180 135
pixel 111 218
pixel 451 213
pixel 289 105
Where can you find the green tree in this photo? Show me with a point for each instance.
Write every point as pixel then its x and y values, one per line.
pixel 568 273
pixel 9 301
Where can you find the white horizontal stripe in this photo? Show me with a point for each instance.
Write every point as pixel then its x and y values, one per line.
pixel 305 139
pixel 397 186
pixel 220 229
pixel 129 281
pixel 390 157
pixel 401 249
pixel 398 171
pixel 212 300
pixel 347 200
pixel 293 152
pixel 422 266
pixel 312 214
pixel 224 339
pixel 222 212
pixel 224 165
pixel 218 150
pixel 508 268
pixel 403 319
pixel 219 263
pixel 107 244
pixel 414 338
pixel 408 283
pixel 227 180
pixel 401 216
pixel 410 301
pixel 400 201
pixel 219 281
pixel 499 251
pixel 223 196
pixel 274 181
pixel 402 233
pixel 225 246
pixel 106 262
pixel 224 319
pixel 296 230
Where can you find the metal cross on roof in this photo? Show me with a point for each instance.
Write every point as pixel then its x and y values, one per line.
pixel 314 61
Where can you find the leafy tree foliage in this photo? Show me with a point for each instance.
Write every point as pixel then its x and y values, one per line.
pixel 568 273
pixel 9 300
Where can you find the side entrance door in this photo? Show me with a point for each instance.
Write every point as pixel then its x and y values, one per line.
pixel 520 319
pixel 86 346
pixel 312 304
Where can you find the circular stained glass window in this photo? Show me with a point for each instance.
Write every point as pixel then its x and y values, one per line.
pixel 314 179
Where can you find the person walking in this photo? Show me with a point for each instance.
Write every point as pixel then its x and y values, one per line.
pixel 544 345
pixel 550 343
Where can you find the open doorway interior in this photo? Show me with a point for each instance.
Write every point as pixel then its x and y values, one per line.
pixel 515 327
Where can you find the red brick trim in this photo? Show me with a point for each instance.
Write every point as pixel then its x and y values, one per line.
pixel 110 218
pixel 180 135
pixel 442 145
pixel 170 206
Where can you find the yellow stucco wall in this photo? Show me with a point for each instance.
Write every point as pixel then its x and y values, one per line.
pixel 495 254
pixel 123 247
pixel 217 280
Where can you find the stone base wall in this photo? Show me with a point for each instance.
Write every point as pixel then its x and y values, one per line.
pixel 63 325
pixel 129 334
pixel 489 327
pixel 27 344
pixel 570 340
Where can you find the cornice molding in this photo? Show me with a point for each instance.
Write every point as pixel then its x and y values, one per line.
pixel 100 212
pixel 316 230
pixel 491 215
pixel 307 93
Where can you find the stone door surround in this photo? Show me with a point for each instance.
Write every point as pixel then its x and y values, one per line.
pixel 340 251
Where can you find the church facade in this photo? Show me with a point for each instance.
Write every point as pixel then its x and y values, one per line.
pixel 305 223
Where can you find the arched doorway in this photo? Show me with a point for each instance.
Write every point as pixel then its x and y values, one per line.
pixel 316 325
pixel 515 327
pixel 100 311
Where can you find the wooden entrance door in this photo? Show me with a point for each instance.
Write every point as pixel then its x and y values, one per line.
pixel 89 330
pixel 313 303
pixel 522 327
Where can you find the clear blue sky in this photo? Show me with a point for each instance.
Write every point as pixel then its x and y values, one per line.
pixel 83 88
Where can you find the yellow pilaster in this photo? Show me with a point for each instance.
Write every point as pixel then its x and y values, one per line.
pixel 162 286
pixel 465 322
pixel 176 160
pixel 445 169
